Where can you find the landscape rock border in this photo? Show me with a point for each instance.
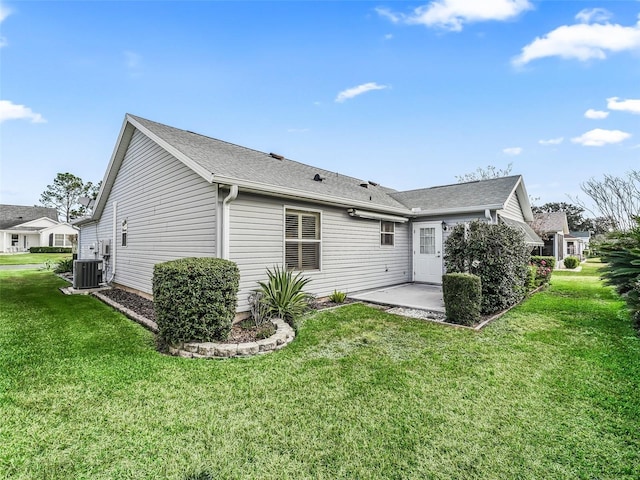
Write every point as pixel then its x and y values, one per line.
pixel 283 336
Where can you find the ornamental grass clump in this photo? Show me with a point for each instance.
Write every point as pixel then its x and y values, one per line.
pixel 283 294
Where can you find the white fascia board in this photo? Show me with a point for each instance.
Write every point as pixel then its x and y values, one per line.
pixel 452 211
pixel 292 193
pixel 112 168
pixel 195 166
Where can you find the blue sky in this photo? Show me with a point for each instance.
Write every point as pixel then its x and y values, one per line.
pixel 408 94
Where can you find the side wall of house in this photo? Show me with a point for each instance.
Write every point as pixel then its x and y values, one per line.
pixel 170 212
pixel 513 209
pixel 352 258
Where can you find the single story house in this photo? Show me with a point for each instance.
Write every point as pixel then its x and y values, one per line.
pixel 553 228
pixel 576 243
pixel 22 227
pixel 170 193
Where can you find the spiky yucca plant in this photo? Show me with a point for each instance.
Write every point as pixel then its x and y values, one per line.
pixel 283 294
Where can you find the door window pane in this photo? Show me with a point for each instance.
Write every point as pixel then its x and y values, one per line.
pixel 428 241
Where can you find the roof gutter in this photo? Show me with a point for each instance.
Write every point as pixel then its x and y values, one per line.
pixel 292 193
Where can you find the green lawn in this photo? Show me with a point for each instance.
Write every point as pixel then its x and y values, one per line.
pixel 32 258
pixel 549 391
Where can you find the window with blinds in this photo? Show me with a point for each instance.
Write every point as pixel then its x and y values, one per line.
pixel 302 240
pixel 387 233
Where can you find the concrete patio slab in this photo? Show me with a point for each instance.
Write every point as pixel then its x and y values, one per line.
pixel 420 296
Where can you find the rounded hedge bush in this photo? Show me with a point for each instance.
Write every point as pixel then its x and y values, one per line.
pixel 195 299
pixel 571 262
pixel 462 294
pixel 498 254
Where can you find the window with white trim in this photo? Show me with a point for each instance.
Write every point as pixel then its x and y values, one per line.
pixel 124 232
pixel 387 233
pixel 428 241
pixel 62 240
pixel 14 240
pixel 302 240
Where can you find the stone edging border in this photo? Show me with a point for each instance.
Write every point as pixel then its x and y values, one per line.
pixel 283 336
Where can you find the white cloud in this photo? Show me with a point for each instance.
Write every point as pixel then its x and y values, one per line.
pixel 11 111
pixel 512 151
pixel 581 41
pixel 133 62
pixel 359 90
pixel 551 141
pixel 629 105
pixel 4 13
pixel 132 59
pixel 388 36
pixel 453 14
pixel 595 114
pixel 589 15
pixel 599 137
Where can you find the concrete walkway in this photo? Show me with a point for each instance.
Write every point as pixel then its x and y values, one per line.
pixel 420 296
pixel 30 266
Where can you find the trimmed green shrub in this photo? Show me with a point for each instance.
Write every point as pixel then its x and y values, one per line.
pixel 195 299
pixel 544 268
pixel 571 262
pixel 50 250
pixel 64 266
pixel 531 283
pixel 462 298
pixel 283 294
pixel 498 254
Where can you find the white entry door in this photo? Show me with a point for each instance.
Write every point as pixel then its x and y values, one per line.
pixel 427 252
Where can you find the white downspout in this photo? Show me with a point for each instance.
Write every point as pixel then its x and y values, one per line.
pixel 226 221
pixel 487 214
pixel 114 232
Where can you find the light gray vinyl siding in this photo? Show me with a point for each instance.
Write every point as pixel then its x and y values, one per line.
pixel 170 213
pixel 87 239
pixel 352 258
pixel 513 209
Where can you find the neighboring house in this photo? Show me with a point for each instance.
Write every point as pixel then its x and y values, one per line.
pixel 553 228
pixel 171 193
pixel 22 227
pixel 576 243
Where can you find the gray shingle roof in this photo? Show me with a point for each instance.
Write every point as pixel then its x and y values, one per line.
pixel 482 194
pixel 530 236
pixel 229 160
pixel 12 215
pixel 551 222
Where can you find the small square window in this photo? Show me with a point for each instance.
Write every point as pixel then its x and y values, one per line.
pixel 387 233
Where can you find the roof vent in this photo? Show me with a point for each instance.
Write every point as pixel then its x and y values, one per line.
pixel 318 178
pixel 373 183
pixel 364 185
pixel 276 156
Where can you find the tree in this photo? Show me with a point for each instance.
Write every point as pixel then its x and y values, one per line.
pixel 615 198
pixel 64 195
pixel 485 174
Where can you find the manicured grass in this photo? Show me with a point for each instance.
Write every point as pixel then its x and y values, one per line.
pixel 32 258
pixel 548 391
